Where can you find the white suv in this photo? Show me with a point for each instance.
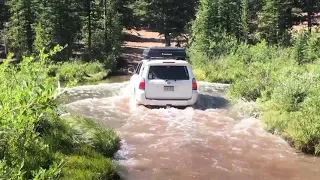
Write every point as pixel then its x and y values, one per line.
pixel 164 82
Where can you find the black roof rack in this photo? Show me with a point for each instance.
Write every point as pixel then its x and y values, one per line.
pixel 165 53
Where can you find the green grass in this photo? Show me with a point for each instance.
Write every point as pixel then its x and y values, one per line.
pixel 84 167
pixel 284 81
pixel 76 71
pixel 86 147
pixel 87 163
pixel 91 157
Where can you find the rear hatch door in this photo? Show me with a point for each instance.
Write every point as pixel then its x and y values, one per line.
pixel 168 82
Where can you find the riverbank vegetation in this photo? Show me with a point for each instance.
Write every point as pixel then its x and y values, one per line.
pixel 257 46
pixel 37 143
pixel 75 72
pixel 90 32
pixel 256 49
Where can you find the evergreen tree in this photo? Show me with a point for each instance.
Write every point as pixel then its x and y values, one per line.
pixel 104 32
pixel 167 16
pixel 311 7
pixel 217 27
pixel 275 21
pixel 125 13
pixel 44 29
pixel 19 34
pixel 4 13
pixel 205 24
pixel 245 19
pixel 57 23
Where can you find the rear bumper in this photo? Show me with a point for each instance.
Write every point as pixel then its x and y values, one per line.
pixel 142 100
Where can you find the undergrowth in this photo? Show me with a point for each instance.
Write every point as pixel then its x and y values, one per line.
pixel 35 142
pixel 76 71
pixel 95 145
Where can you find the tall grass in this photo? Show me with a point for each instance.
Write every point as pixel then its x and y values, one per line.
pixel 76 71
pixel 35 143
pixel 283 80
pixel 95 145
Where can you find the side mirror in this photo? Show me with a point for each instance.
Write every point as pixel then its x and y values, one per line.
pixel 131 70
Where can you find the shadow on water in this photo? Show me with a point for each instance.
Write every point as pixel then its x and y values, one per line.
pixel 206 101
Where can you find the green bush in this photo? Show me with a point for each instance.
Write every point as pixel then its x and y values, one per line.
pixel 292 111
pixel 306 48
pixel 223 70
pixel 78 72
pixel 26 100
pixel 35 143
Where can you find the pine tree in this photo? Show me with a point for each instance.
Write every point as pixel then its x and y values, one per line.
pixel 112 28
pixel 205 24
pixel 216 27
pixel 310 6
pixel 275 21
pixel 19 34
pixel 57 23
pixel 44 29
pixel 4 13
pixel 167 16
pixel 245 19
pixel 125 13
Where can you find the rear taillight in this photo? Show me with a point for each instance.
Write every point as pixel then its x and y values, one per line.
pixel 194 84
pixel 142 84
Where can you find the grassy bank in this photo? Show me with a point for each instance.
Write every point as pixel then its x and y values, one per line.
pixel 35 142
pixel 93 148
pixel 283 80
pixel 74 72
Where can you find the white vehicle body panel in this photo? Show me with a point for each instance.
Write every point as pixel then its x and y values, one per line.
pixel 170 89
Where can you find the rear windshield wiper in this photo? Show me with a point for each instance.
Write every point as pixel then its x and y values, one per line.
pixel 170 79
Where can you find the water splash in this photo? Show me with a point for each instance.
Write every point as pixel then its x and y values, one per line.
pixel 212 141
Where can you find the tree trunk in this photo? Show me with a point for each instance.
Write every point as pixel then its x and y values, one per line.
pixel 167 38
pixel 29 38
pixel 29 31
pixel 69 39
pixel 89 24
pixel 309 9
pixel 105 27
pixel 166 32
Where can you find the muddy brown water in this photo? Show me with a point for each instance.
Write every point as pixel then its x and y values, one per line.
pixel 210 142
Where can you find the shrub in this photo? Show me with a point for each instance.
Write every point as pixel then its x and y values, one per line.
pixel 306 47
pixel 291 111
pixel 78 72
pixel 199 74
pixel 35 143
pixel 26 100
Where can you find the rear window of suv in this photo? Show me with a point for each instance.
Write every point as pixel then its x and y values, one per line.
pixel 168 72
